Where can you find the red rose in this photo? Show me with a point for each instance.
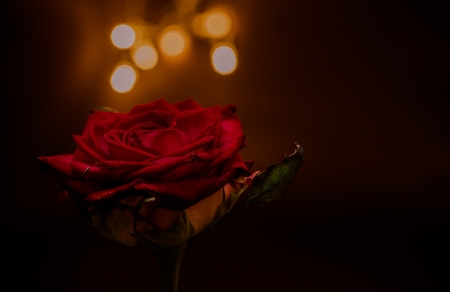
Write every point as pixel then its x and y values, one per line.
pixel 179 153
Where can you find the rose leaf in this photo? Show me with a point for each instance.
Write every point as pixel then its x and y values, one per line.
pixel 275 180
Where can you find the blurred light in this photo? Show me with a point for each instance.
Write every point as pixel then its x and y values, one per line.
pixel 145 57
pixel 123 78
pixel 212 24
pixel 186 5
pixel 123 36
pixel 217 24
pixel 172 42
pixel 223 59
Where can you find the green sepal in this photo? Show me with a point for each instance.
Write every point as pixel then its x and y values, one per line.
pixel 275 180
pixel 267 185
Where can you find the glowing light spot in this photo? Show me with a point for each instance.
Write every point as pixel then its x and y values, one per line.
pixel 217 24
pixel 145 57
pixel 186 5
pixel 123 36
pixel 223 59
pixel 172 42
pixel 123 78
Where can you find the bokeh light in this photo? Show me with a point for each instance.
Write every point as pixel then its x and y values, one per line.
pixel 224 59
pixel 123 36
pixel 123 78
pixel 145 57
pixel 172 42
pixel 213 24
pixel 217 24
pixel 186 5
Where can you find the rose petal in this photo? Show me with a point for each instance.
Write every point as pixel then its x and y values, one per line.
pixel 180 194
pixel 147 126
pixel 106 119
pixel 99 173
pixel 118 225
pixel 85 145
pixel 185 171
pixel 124 152
pixel 216 131
pixel 188 104
pixel 101 123
pixel 195 123
pixel 158 105
pixel 113 164
pixel 209 155
pixel 164 141
pixel 82 157
pixel 230 148
pixel 193 147
pixel 79 168
pixel 162 218
pixel 135 143
pixel 155 118
pixel 249 164
pixel 120 169
pixel 115 135
pixel 234 168
pixel 109 194
pixel 80 188
pixel 160 167
pixel 59 164
pixel 197 168
pixel 203 213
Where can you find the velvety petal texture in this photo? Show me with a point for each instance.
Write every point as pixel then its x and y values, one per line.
pixel 177 154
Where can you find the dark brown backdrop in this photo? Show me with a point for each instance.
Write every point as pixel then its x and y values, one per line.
pixel 361 85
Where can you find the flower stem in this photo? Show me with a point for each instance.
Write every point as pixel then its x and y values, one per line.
pixel 169 261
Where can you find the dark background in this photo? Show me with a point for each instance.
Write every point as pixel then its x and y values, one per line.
pixel 361 85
